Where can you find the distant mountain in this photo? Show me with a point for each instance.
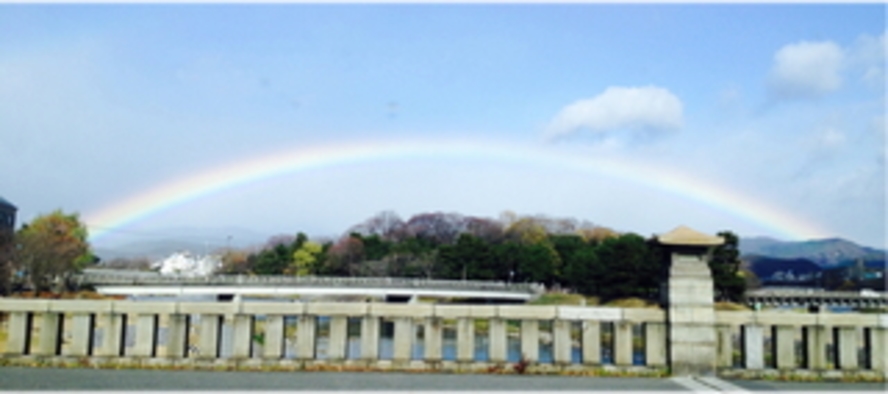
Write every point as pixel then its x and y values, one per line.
pixel 824 252
pixel 783 271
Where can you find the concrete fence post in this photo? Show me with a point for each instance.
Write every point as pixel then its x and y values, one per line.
pixel 370 338
pixel 146 336
pixel 753 343
pixel 846 343
pixel 878 345
pixel 530 340
pixel 623 343
pixel 305 336
pixel 591 342
pixel 725 358
pixel 403 339
pixel 177 337
pixel 498 339
pixel 561 342
pixel 783 343
pixel 273 344
pixel 50 334
pixel 433 340
pixel 338 338
pixel 113 326
pixel 18 341
pixel 655 344
pixel 243 336
pixel 82 325
pixel 465 339
pixel 209 333
pixel 815 338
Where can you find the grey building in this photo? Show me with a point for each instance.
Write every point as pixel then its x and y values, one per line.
pixel 7 215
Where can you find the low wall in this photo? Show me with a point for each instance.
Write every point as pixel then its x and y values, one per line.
pixel 431 337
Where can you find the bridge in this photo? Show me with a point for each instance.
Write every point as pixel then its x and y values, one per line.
pixel 235 286
pixel 776 297
pixel 688 337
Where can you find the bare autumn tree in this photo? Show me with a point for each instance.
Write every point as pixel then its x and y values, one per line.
pixel 442 228
pixel 386 224
pixel 51 248
pixel 345 256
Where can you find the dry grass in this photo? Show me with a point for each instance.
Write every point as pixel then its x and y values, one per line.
pixel 730 306
pixel 564 299
pixel 632 303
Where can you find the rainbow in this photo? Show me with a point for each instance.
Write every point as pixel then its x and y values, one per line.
pixel 303 158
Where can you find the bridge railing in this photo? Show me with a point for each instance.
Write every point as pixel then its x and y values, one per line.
pixel 825 344
pixel 381 282
pixel 433 337
pixel 300 335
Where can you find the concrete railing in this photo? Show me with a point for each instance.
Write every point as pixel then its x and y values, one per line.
pixel 812 297
pixel 433 337
pixel 420 336
pixel 306 281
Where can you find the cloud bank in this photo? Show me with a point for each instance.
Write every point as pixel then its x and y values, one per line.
pixel 806 70
pixel 620 108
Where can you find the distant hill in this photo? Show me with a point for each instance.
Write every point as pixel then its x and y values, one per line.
pixel 824 252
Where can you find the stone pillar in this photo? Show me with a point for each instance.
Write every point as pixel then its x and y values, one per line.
pixel 146 336
pixel 561 344
pixel 498 339
pixel 177 336
pixel 725 346
pixel 691 317
pixel 113 325
pixel 623 343
pixel 18 341
pixel 815 338
pixel 273 346
pixel 432 335
pixel 591 342
pixel 752 347
pixel 243 336
pixel 209 331
pixel 655 344
pixel 305 336
pixel 530 340
pixel 338 338
pixel 81 335
pixel 50 332
pixel 465 339
pixel 403 339
pixel 846 346
pixel 783 343
pixel 370 338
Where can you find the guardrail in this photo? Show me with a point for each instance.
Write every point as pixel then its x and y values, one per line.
pixel 307 281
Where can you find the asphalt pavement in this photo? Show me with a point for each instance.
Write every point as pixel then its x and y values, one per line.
pixel 21 378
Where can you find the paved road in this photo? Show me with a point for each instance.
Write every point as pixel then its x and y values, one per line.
pixel 16 378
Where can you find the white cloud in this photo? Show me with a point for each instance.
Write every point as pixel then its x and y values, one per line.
pixel 630 108
pixel 807 69
pixel 868 55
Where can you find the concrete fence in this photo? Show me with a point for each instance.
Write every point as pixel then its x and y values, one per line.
pixel 549 338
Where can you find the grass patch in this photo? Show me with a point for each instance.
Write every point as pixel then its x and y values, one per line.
pixel 564 299
pixel 632 303
pixel 730 306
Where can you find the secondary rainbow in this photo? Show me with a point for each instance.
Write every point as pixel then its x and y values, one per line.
pixel 289 161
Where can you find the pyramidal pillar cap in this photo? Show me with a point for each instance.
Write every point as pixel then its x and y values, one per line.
pixel 683 235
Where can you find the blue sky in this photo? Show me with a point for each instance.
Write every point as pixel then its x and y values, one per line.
pixel 784 102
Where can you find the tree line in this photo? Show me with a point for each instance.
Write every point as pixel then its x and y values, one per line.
pixel 560 253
